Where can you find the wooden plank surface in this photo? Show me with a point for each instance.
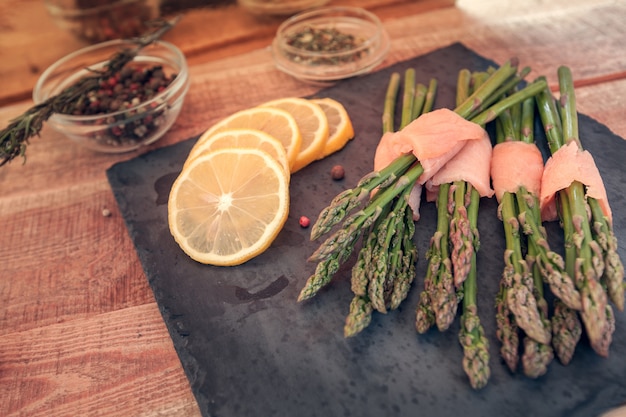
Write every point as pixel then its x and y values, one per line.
pixel 81 334
pixel 117 363
pixel 30 40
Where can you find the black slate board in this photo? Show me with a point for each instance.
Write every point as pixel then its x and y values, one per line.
pixel 249 349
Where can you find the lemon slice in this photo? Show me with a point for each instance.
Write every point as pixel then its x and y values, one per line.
pixel 228 205
pixel 273 121
pixel 340 129
pixel 313 126
pixel 243 138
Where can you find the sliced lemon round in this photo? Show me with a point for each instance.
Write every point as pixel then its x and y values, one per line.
pixel 228 205
pixel 273 121
pixel 242 138
pixel 313 126
pixel 340 129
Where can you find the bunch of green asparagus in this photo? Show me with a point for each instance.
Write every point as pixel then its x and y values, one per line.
pixel 451 276
pixel 520 303
pixel 385 266
pixel 591 257
pixel 375 217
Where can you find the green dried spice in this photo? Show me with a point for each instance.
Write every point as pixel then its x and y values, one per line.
pixel 325 40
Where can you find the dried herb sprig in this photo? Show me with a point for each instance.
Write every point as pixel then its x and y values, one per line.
pixel 15 137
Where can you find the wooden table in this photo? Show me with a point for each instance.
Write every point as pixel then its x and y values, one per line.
pixel 81 333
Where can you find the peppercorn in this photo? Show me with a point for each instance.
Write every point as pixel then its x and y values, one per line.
pixel 120 92
pixel 337 172
pixel 304 222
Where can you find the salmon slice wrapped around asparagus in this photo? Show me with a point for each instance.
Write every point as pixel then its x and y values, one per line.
pixel 434 138
pixel 568 164
pixel 516 164
pixel 448 148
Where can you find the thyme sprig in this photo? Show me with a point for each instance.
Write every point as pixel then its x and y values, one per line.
pixel 14 138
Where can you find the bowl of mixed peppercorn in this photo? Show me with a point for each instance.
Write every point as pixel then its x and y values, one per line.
pixel 330 43
pixel 114 103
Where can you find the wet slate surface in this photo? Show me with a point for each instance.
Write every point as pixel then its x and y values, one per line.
pixel 249 349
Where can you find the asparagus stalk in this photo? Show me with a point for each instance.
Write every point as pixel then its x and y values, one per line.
pixel 566 331
pixel 462 237
pixel 409 98
pixel 389 107
pixel 407 258
pixel 444 299
pixel 472 335
pixel 359 317
pixel 566 326
pixel 507 330
pixel 438 301
pixel 361 309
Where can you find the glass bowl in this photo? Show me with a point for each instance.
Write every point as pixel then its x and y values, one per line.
pixel 330 44
pixel 279 7
pixel 101 20
pixel 129 123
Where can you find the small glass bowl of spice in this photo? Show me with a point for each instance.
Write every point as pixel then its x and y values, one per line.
pixel 133 107
pixel 330 44
pixel 101 20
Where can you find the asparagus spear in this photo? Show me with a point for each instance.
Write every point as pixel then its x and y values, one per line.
pixel 566 331
pixel 507 330
pixel 421 99
pixel 472 335
pixel 403 261
pixel 443 297
pixel 438 301
pixel 359 317
pixel 464 237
